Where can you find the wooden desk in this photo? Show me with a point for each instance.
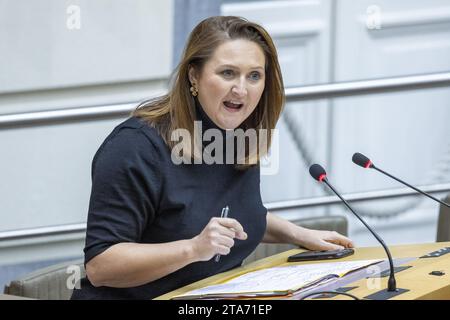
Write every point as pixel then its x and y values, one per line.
pixel 416 279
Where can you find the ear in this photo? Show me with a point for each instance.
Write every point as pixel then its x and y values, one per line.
pixel 192 73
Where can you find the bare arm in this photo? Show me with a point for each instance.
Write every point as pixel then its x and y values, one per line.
pixel 280 230
pixel 133 264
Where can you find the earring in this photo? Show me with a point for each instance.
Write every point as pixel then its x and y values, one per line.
pixel 194 90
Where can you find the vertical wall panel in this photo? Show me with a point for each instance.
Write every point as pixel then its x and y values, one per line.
pixel 301 33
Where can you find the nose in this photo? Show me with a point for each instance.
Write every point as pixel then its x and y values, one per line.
pixel 239 89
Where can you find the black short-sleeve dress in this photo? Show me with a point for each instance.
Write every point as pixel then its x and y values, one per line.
pixel 139 195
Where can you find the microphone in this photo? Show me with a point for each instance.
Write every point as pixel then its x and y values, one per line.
pixel 362 161
pixel 318 173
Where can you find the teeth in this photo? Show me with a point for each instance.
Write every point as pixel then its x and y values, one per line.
pixel 234 102
pixel 233 105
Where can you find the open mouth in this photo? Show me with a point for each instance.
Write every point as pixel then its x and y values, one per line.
pixel 233 106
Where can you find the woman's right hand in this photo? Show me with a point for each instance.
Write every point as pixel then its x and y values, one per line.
pixel 217 238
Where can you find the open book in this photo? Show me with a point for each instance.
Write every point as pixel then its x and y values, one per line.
pixel 277 281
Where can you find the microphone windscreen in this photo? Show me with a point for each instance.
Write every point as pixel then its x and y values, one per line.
pixel 361 160
pixel 317 172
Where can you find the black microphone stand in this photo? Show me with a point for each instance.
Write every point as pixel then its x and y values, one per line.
pixel 392 289
pixel 407 184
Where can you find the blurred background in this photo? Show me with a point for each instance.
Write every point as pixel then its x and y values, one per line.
pixel 70 71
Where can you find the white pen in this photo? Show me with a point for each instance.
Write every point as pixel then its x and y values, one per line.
pixel 223 214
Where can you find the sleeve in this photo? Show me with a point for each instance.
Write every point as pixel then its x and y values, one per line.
pixel 126 184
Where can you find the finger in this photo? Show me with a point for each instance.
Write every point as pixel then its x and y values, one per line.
pixel 328 246
pixel 228 232
pixel 338 238
pixel 223 250
pixel 234 224
pixel 241 235
pixel 231 223
pixel 225 241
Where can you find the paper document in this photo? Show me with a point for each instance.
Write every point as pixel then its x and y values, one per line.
pixel 279 280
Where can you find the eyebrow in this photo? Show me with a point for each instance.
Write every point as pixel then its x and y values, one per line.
pixel 235 67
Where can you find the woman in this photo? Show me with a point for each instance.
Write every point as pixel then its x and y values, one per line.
pixel 154 222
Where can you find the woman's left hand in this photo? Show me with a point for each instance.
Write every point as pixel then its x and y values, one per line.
pixel 323 240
